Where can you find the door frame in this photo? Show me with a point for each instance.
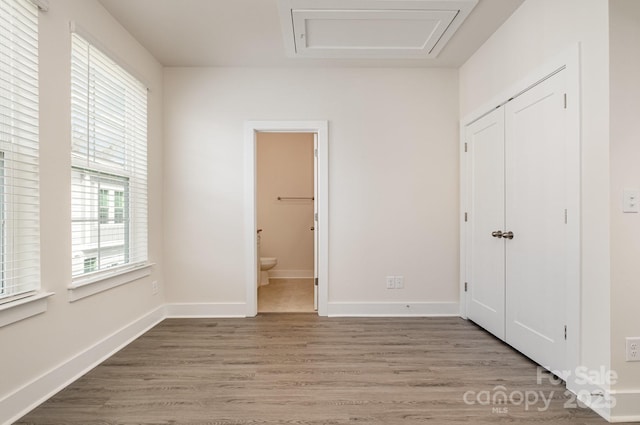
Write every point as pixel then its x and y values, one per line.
pixel 568 60
pixel 251 128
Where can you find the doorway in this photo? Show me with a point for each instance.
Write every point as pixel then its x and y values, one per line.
pixel 285 206
pixel 318 227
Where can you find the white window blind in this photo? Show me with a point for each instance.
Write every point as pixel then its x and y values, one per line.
pixel 109 163
pixel 19 180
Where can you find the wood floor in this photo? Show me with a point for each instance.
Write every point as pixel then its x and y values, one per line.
pixel 286 296
pixel 304 369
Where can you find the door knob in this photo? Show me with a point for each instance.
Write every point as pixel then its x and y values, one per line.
pixel 507 235
pixel 497 234
pixel 313 228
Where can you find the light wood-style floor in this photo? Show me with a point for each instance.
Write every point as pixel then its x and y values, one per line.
pixel 286 296
pixel 305 369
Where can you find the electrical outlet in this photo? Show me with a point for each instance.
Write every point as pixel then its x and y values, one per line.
pixel 399 282
pixel 631 201
pixel 633 349
pixel 155 288
pixel 391 282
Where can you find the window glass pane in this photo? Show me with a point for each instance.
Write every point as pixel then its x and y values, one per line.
pixel 99 240
pixel 104 206
pixel 118 204
pixel 90 264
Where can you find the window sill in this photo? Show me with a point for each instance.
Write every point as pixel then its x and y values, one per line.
pixel 23 308
pixel 85 287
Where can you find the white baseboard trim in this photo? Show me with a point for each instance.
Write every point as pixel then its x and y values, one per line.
pixel 615 406
pixel 592 396
pixel 627 406
pixel 182 310
pixel 395 309
pixel 290 274
pixel 28 397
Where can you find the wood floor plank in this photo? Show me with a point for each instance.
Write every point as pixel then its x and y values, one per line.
pixel 303 369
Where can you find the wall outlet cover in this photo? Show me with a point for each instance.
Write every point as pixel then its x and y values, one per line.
pixel 391 283
pixel 399 282
pixel 633 349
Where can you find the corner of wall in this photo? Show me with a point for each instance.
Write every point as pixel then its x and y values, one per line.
pixel 24 399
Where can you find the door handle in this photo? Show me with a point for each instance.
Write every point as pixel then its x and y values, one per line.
pixel 507 235
pixel 497 234
pixel 313 228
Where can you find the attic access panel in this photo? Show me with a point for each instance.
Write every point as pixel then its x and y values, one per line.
pixel 395 29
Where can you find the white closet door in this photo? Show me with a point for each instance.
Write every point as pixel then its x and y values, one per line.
pixel 535 213
pixel 485 256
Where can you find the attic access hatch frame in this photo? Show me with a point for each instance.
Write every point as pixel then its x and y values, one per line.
pixel 370 29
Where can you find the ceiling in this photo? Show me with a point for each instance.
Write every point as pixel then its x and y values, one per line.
pixel 248 33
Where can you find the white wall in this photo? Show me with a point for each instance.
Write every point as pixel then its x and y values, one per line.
pixel 284 168
pixel 393 177
pixel 624 23
pixel 36 345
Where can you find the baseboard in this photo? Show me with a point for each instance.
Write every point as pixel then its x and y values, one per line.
pixel 627 406
pixel 31 395
pixel 290 274
pixel 395 309
pixel 593 396
pixel 614 406
pixel 178 310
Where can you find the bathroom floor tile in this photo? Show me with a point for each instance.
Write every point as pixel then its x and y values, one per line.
pixel 286 296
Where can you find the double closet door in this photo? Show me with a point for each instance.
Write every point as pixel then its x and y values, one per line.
pixel 516 228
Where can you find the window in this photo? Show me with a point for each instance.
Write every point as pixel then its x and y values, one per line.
pixel 104 206
pixel 118 206
pixel 109 163
pixel 19 171
pixel 90 264
pixel 112 203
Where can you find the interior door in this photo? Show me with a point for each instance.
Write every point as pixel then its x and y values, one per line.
pixel 485 256
pixel 315 221
pixel 535 213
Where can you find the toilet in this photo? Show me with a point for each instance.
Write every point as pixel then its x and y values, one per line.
pixel 266 264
